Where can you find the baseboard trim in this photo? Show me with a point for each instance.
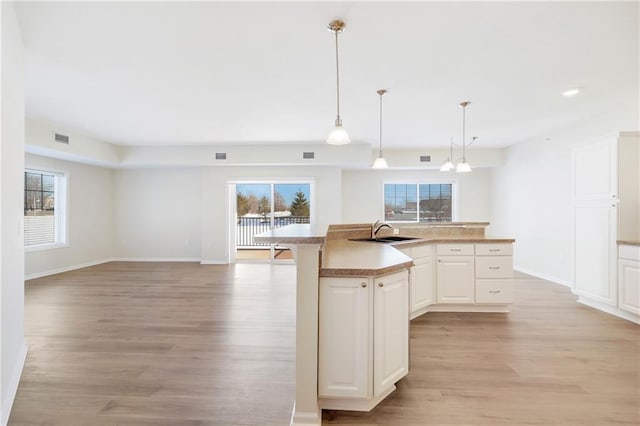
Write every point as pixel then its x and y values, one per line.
pixel 214 262
pixel 66 269
pixel 608 309
pixel 156 259
pixel 543 276
pixel 12 388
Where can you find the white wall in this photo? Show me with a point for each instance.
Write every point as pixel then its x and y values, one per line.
pixel 81 148
pixel 532 194
pixel 158 214
pixel 13 349
pixel 182 213
pixel 362 192
pixel 215 217
pixel 90 225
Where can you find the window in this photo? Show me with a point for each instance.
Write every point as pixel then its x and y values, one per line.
pixel 418 202
pixel 44 206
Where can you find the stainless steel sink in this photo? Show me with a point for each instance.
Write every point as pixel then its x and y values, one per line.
pixel 398 238
pixel 385 239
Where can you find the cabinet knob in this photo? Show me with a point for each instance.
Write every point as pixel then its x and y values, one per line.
pixel 380 284
pixel 363 285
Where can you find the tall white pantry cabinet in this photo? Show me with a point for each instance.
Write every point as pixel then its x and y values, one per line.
pixel 606 191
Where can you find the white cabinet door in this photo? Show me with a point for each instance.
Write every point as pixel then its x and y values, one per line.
pixel 456 279
pixel 391 331
pixel 595 171
pixel 629 285
pixel 345 333
pixel 422 284
pixel 595 237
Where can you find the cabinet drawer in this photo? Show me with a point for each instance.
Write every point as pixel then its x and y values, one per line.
pixel 455 249
pixel 494 267
pixel 629 252
pixel 502 249
pixel 421 251
pixel 494 291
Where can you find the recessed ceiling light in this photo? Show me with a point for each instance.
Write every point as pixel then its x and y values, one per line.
pixel 571 92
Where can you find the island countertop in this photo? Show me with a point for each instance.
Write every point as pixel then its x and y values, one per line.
pixel 342 258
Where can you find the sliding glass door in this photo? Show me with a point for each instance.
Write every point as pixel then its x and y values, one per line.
pixel 262 206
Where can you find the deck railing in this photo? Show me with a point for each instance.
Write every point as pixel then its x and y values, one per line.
pixel 247 227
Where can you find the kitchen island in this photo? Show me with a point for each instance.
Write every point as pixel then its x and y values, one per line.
pixel 359 289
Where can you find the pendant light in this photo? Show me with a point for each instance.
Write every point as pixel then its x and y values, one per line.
pixel 380 162
pixel 337 136
pixel 463 166
pixel 448 165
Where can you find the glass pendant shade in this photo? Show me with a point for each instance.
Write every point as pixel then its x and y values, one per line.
pixel 463 167
pixel 447 166
pixel 338 136
pixel 380 163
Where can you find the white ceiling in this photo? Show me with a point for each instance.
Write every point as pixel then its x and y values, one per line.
pixel 162 73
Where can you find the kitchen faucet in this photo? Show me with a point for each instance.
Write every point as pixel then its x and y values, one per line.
pixel 377 226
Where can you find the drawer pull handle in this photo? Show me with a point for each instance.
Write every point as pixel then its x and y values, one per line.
pixel 494 249
pixel 455 249
pixel 363 285
pixel 494 291
pixel 494 267
pixel 380 284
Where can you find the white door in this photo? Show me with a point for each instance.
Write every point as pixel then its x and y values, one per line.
pixel 345 336
pixel 391 330
pixel 455 279
pixel 595 221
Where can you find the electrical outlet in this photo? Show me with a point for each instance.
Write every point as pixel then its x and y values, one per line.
pixel 396 231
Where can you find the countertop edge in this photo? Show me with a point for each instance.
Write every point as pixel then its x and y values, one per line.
pixel 451 240
pixel 346 272
pixel 628 242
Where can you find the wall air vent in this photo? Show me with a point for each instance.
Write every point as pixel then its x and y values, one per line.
pixel 61 138
pixel 425 158
pixel 221 155
pixel 308 155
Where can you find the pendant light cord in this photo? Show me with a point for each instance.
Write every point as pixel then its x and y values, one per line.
pixel 380 153
pixel 337 81
pixel 464 156
pixel 451 149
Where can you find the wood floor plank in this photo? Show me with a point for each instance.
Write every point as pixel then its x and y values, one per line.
pixel 141 344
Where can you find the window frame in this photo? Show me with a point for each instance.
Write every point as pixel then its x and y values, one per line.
pixel 61 209
pixel 454 197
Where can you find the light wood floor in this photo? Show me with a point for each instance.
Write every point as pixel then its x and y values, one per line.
pixel 189 344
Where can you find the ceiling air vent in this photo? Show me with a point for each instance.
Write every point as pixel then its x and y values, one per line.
pixel 308 155
pixel 61 138
pixel 425 158
pixel 221 155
